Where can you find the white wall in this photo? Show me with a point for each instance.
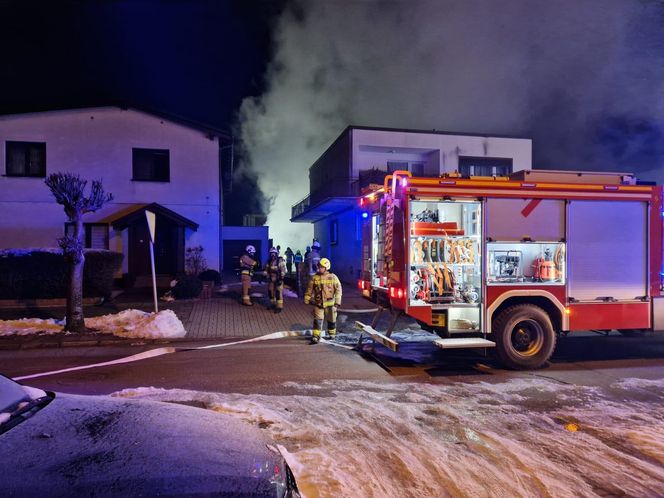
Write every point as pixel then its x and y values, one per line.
pixel 418 146
pixel 97 144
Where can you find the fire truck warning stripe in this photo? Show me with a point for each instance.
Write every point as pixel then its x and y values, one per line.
pixel 530 207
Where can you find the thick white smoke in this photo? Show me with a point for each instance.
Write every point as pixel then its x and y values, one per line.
pixel 583 78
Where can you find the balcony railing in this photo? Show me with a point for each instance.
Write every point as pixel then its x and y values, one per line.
pixel 300 207
pixel 340 187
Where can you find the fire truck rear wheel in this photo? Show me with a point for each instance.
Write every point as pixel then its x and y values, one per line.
pixel 524 336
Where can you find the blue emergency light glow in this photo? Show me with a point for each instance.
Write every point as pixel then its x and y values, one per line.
pixel 365 214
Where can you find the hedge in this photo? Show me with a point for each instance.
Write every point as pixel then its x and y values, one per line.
pixel 43 273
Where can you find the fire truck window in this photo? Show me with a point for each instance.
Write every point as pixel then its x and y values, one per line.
pixel 526 263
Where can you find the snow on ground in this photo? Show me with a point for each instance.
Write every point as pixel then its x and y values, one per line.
pixel 127 323
pixel 521 438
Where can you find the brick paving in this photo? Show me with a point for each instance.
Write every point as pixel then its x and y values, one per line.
pixel 221 316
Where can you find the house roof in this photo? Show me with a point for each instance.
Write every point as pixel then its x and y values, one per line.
pixel 158 209
pixel 433 132
pixel 175 118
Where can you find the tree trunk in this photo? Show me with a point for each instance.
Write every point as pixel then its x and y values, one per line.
pixel 75 321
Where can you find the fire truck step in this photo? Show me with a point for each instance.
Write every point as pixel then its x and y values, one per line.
pixel 377 336
pixel 464 342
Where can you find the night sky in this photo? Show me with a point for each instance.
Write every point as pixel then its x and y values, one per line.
pixel 195 59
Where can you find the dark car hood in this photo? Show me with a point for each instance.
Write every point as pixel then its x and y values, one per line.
pixel 99 446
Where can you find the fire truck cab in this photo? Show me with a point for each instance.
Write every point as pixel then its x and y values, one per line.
pixel 512 262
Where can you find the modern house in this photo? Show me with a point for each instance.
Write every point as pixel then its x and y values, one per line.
pixel 147 161
pixel 361 156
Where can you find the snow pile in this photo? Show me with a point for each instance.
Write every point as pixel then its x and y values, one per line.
pixel 4 253
pixel 28 326
pixel 520 438
pixel 128 323
pixel 139 324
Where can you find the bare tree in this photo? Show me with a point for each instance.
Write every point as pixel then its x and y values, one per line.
pixel 69 190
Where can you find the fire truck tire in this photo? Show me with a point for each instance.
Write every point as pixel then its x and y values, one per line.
pixel 524 336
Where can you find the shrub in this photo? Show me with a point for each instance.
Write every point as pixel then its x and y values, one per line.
pixel 194 261
pixel 211 276
pixel 43 273
pixel 188 287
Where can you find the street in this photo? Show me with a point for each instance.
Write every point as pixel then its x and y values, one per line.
pixel 419 423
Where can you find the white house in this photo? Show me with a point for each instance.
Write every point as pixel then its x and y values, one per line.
pixel 361 155
pixel 143 159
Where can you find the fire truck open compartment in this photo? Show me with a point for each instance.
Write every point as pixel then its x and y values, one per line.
pixel 445 270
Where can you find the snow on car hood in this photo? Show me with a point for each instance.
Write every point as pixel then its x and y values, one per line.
pixel 82 445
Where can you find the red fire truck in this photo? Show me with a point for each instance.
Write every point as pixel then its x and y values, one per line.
pixel 512 262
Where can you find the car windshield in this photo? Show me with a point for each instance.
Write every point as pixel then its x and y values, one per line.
pixel 11 394
pixel 14 396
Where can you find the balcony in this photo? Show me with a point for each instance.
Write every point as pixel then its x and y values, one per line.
pixel 300 207
pixel 335 196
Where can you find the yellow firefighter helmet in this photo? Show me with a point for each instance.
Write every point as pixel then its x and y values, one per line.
pixel 325 263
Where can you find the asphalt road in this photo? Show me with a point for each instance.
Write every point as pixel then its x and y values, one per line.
pixel 264 367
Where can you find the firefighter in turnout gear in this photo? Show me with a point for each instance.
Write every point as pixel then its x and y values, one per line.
pixel 314 257
pixel 248 264
pixel 275 271
pixel 324 292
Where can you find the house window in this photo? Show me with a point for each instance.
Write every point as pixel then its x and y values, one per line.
pixel 95 237
pixel 417 169
pixel 485 166
pixel 151 165
pixel 393 166
pixel 25 159
pixel 334 232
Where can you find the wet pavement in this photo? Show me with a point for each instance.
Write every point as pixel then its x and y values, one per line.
pixel 220 316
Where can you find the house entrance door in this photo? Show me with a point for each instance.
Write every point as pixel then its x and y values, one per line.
pixel 165 247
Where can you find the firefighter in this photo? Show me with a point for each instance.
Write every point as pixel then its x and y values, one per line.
pixel 289 260
pixel 248 264
pixel 314 257
pixel 298 260
pixel 275 269
pixel 324 292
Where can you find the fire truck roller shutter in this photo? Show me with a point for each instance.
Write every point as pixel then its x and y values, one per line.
pixel 512 219
pixel 607 250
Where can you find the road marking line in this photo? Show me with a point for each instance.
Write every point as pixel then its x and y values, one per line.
pixel 152 353
pixel 128 359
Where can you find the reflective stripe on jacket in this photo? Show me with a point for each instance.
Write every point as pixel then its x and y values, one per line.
pixel 323 290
